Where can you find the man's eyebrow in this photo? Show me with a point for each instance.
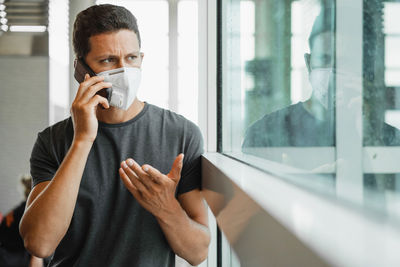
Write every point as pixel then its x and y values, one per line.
pixel 134 53
pixel 105 56
pixel 115 56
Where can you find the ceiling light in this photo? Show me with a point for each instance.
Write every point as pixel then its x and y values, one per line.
pixel 20 28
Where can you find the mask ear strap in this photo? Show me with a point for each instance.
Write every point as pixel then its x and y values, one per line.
pixel 307 59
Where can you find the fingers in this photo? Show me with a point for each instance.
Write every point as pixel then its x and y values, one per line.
pixel 128 183
pixel 89 81
pixel 97 99
pixel 148 179
pixel 136 167
pixel 175 173
pixel 155 174
pixel 92 90
pixel 90 86
pixel 133 177
pixel 144 178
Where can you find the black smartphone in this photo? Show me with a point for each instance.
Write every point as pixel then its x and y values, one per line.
pixel 81 68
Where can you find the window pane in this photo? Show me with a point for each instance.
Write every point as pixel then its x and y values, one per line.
pixel 392 52
pixel 311 92
pixel 392 19
pixel 392 77
pixel 266 80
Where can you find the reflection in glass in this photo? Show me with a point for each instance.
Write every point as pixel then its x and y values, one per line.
pixel 305 123
pixel 314 86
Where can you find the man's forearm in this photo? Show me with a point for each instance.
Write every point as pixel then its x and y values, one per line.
pixel 187 238
pixel 48 216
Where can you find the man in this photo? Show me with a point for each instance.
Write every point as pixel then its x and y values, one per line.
pixel 312 123
pixel 104 192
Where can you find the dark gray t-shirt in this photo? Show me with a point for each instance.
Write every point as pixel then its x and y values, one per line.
pixel 289 126
pixel 109 227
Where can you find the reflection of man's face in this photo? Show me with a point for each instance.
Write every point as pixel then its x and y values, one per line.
pixel 322 51
pixel 114 50
pixel 320 66
pixel 322 55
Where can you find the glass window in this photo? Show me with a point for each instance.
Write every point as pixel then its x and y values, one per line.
pixel 310 91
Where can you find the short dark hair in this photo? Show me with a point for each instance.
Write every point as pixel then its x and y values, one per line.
pixel 100 19
pixel 324 22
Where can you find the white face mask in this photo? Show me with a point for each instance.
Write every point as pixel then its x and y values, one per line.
pixel 125 84
pixel 319 79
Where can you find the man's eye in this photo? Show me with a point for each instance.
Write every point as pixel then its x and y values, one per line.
pixel 132 57
pixel 107 60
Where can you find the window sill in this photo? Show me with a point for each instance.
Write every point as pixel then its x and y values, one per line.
pixel 268 220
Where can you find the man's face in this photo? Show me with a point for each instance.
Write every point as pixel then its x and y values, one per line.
pixel 322 52
pixel 114 50
pixel 322 55
pixel 320 66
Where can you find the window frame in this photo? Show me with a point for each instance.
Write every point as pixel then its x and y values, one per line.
pixel 365 226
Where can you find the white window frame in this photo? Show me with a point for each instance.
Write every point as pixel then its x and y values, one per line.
pixel 173 54
pixel 207 98
pixel 373 242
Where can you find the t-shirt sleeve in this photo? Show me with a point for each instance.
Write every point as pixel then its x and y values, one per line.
pixel 43 163
pixel 193 149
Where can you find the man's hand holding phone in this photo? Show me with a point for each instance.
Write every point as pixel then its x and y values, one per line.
pixel 84 106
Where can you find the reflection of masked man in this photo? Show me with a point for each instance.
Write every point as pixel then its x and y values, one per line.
pixel 312 123
pixel 320 63
pixel 309 123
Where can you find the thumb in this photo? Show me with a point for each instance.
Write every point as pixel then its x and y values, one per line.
pixel 175 173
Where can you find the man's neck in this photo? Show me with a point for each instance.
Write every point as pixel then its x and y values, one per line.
pixel 115 115
pixel 315 108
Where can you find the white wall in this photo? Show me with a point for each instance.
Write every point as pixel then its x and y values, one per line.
pixel 23 113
